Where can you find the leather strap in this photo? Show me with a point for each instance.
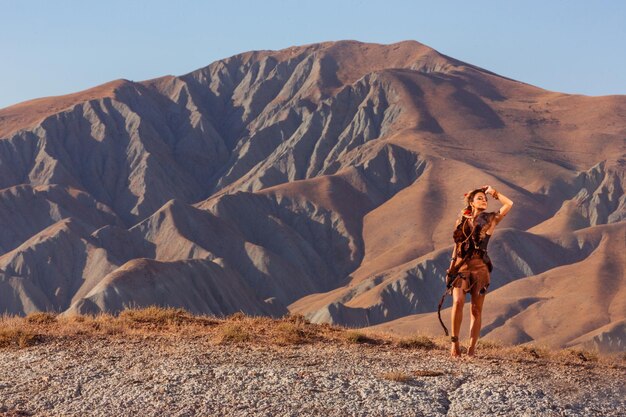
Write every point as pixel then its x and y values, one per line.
pixel 451 285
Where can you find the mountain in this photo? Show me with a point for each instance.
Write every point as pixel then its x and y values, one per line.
pixel 321 179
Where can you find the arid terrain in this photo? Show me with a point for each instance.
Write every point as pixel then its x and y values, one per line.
pixel 321 180
pixel 156 362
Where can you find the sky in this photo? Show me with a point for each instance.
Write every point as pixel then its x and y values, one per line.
pixel 50 48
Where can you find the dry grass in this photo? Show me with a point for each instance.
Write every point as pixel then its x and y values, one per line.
pixel 488 344
pixel 160 317
pixel 417 342
pixel 18 338
pixel 534 351
pixel 353 336
pixel 238 328
pixel 576 355
pixel 234 333
pixel 290 334
pixel 158 321
pixel 428 373
pixel 543 354
pixel 41 318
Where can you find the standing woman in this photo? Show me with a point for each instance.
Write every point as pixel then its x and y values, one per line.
pixel 471 262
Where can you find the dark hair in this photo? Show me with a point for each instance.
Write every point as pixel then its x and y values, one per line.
pixel 469 197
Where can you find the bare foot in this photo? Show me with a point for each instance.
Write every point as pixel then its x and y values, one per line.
pixel 471 352
pixel 455 350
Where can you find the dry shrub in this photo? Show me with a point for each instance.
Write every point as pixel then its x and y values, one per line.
pixel 233 333
pixel 417 342
pixel 288 333
pixel 77 318
pixel 521 353
pixel 18 338
pixel 328 332
pixel 237 316
pixel 75 325
pixel 488 344
pixel 108 325
pixel 259 322
pixel 156 316
pixel 358 337
pixel 534 351
pixel 298 319
pixel 159 317
pixel 397 377
pixel 577 355
pixel 428 373
pixel 42 318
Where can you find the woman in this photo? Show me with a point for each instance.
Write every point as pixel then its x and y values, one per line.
pixel 471 262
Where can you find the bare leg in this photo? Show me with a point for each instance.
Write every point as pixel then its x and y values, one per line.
pixel 475 322
pixel 458 300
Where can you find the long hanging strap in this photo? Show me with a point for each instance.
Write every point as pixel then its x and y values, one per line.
pixel 445 329
pixel 449 286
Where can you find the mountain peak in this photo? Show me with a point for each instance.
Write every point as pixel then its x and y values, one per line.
pixel 27 113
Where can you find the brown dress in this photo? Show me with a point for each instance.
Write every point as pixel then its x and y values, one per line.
pixel 472 236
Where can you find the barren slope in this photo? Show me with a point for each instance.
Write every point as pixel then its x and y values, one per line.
pixel 322 178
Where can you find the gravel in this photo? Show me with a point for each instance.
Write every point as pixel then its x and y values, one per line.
pixel 162 376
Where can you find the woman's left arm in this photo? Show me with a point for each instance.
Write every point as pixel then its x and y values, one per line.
pixel 507 203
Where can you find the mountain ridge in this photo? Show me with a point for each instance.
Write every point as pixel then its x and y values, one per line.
pixel 322 178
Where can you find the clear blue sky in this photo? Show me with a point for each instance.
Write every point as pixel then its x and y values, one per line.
pixel 62 46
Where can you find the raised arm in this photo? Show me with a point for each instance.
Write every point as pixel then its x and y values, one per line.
pixel 507 203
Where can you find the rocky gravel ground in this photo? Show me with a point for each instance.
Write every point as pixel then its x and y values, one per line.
pixel 153 376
